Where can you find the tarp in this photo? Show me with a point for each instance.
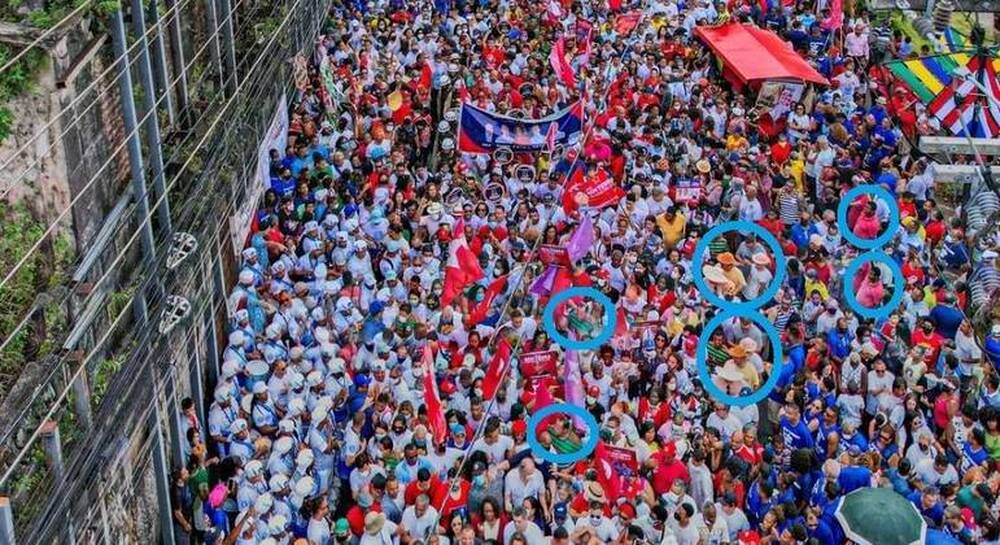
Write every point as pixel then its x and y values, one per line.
pixel 752 55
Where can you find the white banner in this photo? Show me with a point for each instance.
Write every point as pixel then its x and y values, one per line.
pixel 276 138
pixel 778 97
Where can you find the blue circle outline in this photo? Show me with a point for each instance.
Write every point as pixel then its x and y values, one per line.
pixel 610 317
pixel 890 231
pixel 899 286
pixel 701 358
pixel 780 264
pixel 570 457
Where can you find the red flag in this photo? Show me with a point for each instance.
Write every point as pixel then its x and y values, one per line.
pixel 610 480
pixel 435 412
pixel 482 309
pixel 497 368
pixel 627 22
pixel 426 76
pixel 596 191
pixel 621 323
pixel 462 268
pixel 559 63
pixel 614 5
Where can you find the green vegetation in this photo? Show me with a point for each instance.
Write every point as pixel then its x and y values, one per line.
pixel 15 81
pixel 19 230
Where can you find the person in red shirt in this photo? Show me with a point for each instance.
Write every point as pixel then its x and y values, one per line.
pixel 929 338
pixel 781 150
pixel 356 514
pixel 668 469
pixel 426 483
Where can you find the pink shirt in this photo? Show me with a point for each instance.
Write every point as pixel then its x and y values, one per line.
pixel 856 44
pixel 867 226
pixel 870 293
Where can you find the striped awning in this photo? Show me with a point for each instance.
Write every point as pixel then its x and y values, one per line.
pixel 959 104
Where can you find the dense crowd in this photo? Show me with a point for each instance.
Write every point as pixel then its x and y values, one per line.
pixel 320 430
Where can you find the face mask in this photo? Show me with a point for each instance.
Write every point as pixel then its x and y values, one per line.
pixel 479 481
pixel 595 520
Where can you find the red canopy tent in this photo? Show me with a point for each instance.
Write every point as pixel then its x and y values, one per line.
pixel 751 55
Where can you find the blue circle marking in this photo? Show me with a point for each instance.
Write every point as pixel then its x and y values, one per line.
pixel 845 203
pixel 899 285
pixel 772 243
pixel 570 457
pixel 701 358
pixel 610 319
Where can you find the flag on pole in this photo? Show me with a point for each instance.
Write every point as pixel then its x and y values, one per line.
pixel 836 19
pixel 482 309
pixel 626 22
pixel 581 240
pixel 562 67
pixel 573 384
pixel 497 368
pixel 462 268
pixel 432 400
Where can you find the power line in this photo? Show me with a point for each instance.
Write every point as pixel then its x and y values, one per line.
pixel 62 396
pixel 172 12
pixel 45 34
pixel 94 178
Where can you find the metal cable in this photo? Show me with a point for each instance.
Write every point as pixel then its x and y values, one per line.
pixel 62 396
pixel 45 34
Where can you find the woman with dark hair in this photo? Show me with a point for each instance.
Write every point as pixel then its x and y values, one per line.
pixel 490 521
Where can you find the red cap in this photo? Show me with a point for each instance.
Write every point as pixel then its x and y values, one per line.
pixel 519 426
pixel 594 391
pixel 669 450
pixel 447 387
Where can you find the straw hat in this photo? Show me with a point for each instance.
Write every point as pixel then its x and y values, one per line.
pixel 726 258
pixel 730 373
pixel 738 351
pixel 715 275
pixel 374 523
pixel 761 259
pixel 703 166
pixel 595 492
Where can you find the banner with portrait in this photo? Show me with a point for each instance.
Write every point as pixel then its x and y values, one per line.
pixel 480 131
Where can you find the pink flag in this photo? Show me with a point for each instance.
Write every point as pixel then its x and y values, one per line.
pixel 836 19
pixel 581 241
pixel 462 268
pixel 559 63
pixel 432 400
pixel 543 285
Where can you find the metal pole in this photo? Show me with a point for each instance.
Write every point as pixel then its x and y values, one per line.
pixel 160 59
pixel 81 401
pixel 232 78
pixel 152 119
pixel 175 424
pixel 213 348
pixel 139 309
pixel 177 54
pixel 162 476
pixel 6 522
pixel 134 146
pixel 197 380
pixel 52 448
pixel 213 38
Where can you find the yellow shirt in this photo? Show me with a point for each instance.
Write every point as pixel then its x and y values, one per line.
pixel 750 375
pixel 798 168
pixel 735 275
pixel 819 287
pixel 672 231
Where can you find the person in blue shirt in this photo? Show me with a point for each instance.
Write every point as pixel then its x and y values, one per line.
pixel 947 317
pixel 885 443
pixel 819 530
pixel 991 346
pixel 839 339
pixel 928 502
pixel 900 477
pixel 794 432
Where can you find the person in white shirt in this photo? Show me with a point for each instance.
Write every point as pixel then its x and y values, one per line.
pixel 713 527
pixel 378 531
pixel 524 482
pixel 419 519
pixel 530 531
